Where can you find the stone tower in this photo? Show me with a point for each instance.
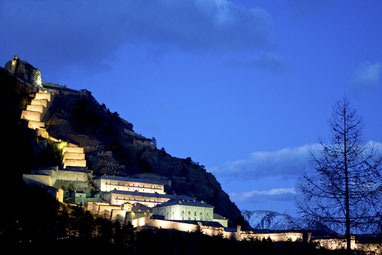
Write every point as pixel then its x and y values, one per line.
pixel 25 71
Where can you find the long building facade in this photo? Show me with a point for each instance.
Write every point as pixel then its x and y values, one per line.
pixel 111 183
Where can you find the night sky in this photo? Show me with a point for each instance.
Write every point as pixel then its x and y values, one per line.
pixel 242 87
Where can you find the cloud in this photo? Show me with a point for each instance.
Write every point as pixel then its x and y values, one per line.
pixel 285 163
pixel 257 196
pixel 368 75
pixel 90 32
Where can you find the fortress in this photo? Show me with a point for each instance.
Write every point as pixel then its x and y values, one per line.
pixel 140 199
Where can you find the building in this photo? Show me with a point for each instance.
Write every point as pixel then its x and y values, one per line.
pixel 187 209
pixel 110 183
pixel 119 197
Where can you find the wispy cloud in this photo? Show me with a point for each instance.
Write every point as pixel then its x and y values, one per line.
pixel 88 32
pixel 368 75
pixel 273 173
pixel 254 196
pixel 285 163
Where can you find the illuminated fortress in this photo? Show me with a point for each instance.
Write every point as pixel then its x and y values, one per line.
pixel 141 199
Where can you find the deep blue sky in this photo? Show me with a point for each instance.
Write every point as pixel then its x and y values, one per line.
pixel 243 87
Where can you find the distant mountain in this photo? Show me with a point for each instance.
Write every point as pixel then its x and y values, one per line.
pixel 270 220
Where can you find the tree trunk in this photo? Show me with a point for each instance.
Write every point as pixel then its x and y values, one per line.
pixel 347 207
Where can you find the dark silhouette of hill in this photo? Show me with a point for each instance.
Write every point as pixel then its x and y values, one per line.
pixel 111 145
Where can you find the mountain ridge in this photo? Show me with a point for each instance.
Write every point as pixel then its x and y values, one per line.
pixel 271 220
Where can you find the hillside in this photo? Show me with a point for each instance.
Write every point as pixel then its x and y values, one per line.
pixel 111 145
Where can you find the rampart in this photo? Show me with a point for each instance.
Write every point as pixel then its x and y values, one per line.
pixel 56 177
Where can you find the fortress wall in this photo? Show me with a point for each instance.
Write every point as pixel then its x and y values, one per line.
pixel 35 108
pixel 71 155
pixel 181 226
pixel 275 237
pixel 31 179
pixel 75 162
pixel 43 133
pixel 46 96
pixel 118 215
pixel 31 115
pixel 141 222
pixel 335 243
pixel 35 124
pixel 70 176
pixel 42 102
pixel 73 150
pixel 222 222
pixel 213 231
pixel 60 195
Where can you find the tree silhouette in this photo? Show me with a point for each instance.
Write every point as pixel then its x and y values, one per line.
pixel 344 187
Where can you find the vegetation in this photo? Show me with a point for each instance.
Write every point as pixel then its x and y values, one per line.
pixel 344 188
pixel 47 227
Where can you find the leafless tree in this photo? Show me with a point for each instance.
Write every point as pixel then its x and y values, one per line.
pixel 343 185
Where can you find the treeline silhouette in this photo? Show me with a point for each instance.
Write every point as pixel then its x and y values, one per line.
pixel 39 224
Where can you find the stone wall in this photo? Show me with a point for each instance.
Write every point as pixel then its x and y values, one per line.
pixel 60 178
pixel 223 222
pixel 32 179
pixel 275 237
pixel 184 212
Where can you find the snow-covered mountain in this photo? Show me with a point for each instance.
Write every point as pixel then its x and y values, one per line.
pixel 261 219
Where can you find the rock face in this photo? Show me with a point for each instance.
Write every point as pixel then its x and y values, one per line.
pixel 24 71
pixel 113 148
pixel 269 220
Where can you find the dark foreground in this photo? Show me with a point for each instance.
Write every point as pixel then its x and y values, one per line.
pixel 168 242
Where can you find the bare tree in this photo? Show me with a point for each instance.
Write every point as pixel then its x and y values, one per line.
pixel 344 184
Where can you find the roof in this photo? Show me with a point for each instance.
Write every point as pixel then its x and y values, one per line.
pixel 128 179
pixel 184 200
pixel 219 217
pixel 230 229
pixel 150 176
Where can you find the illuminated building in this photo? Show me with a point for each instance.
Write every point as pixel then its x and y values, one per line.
pixel 110 183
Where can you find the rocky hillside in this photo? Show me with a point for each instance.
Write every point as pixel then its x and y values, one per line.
pixel 112 146
pixel 269 220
